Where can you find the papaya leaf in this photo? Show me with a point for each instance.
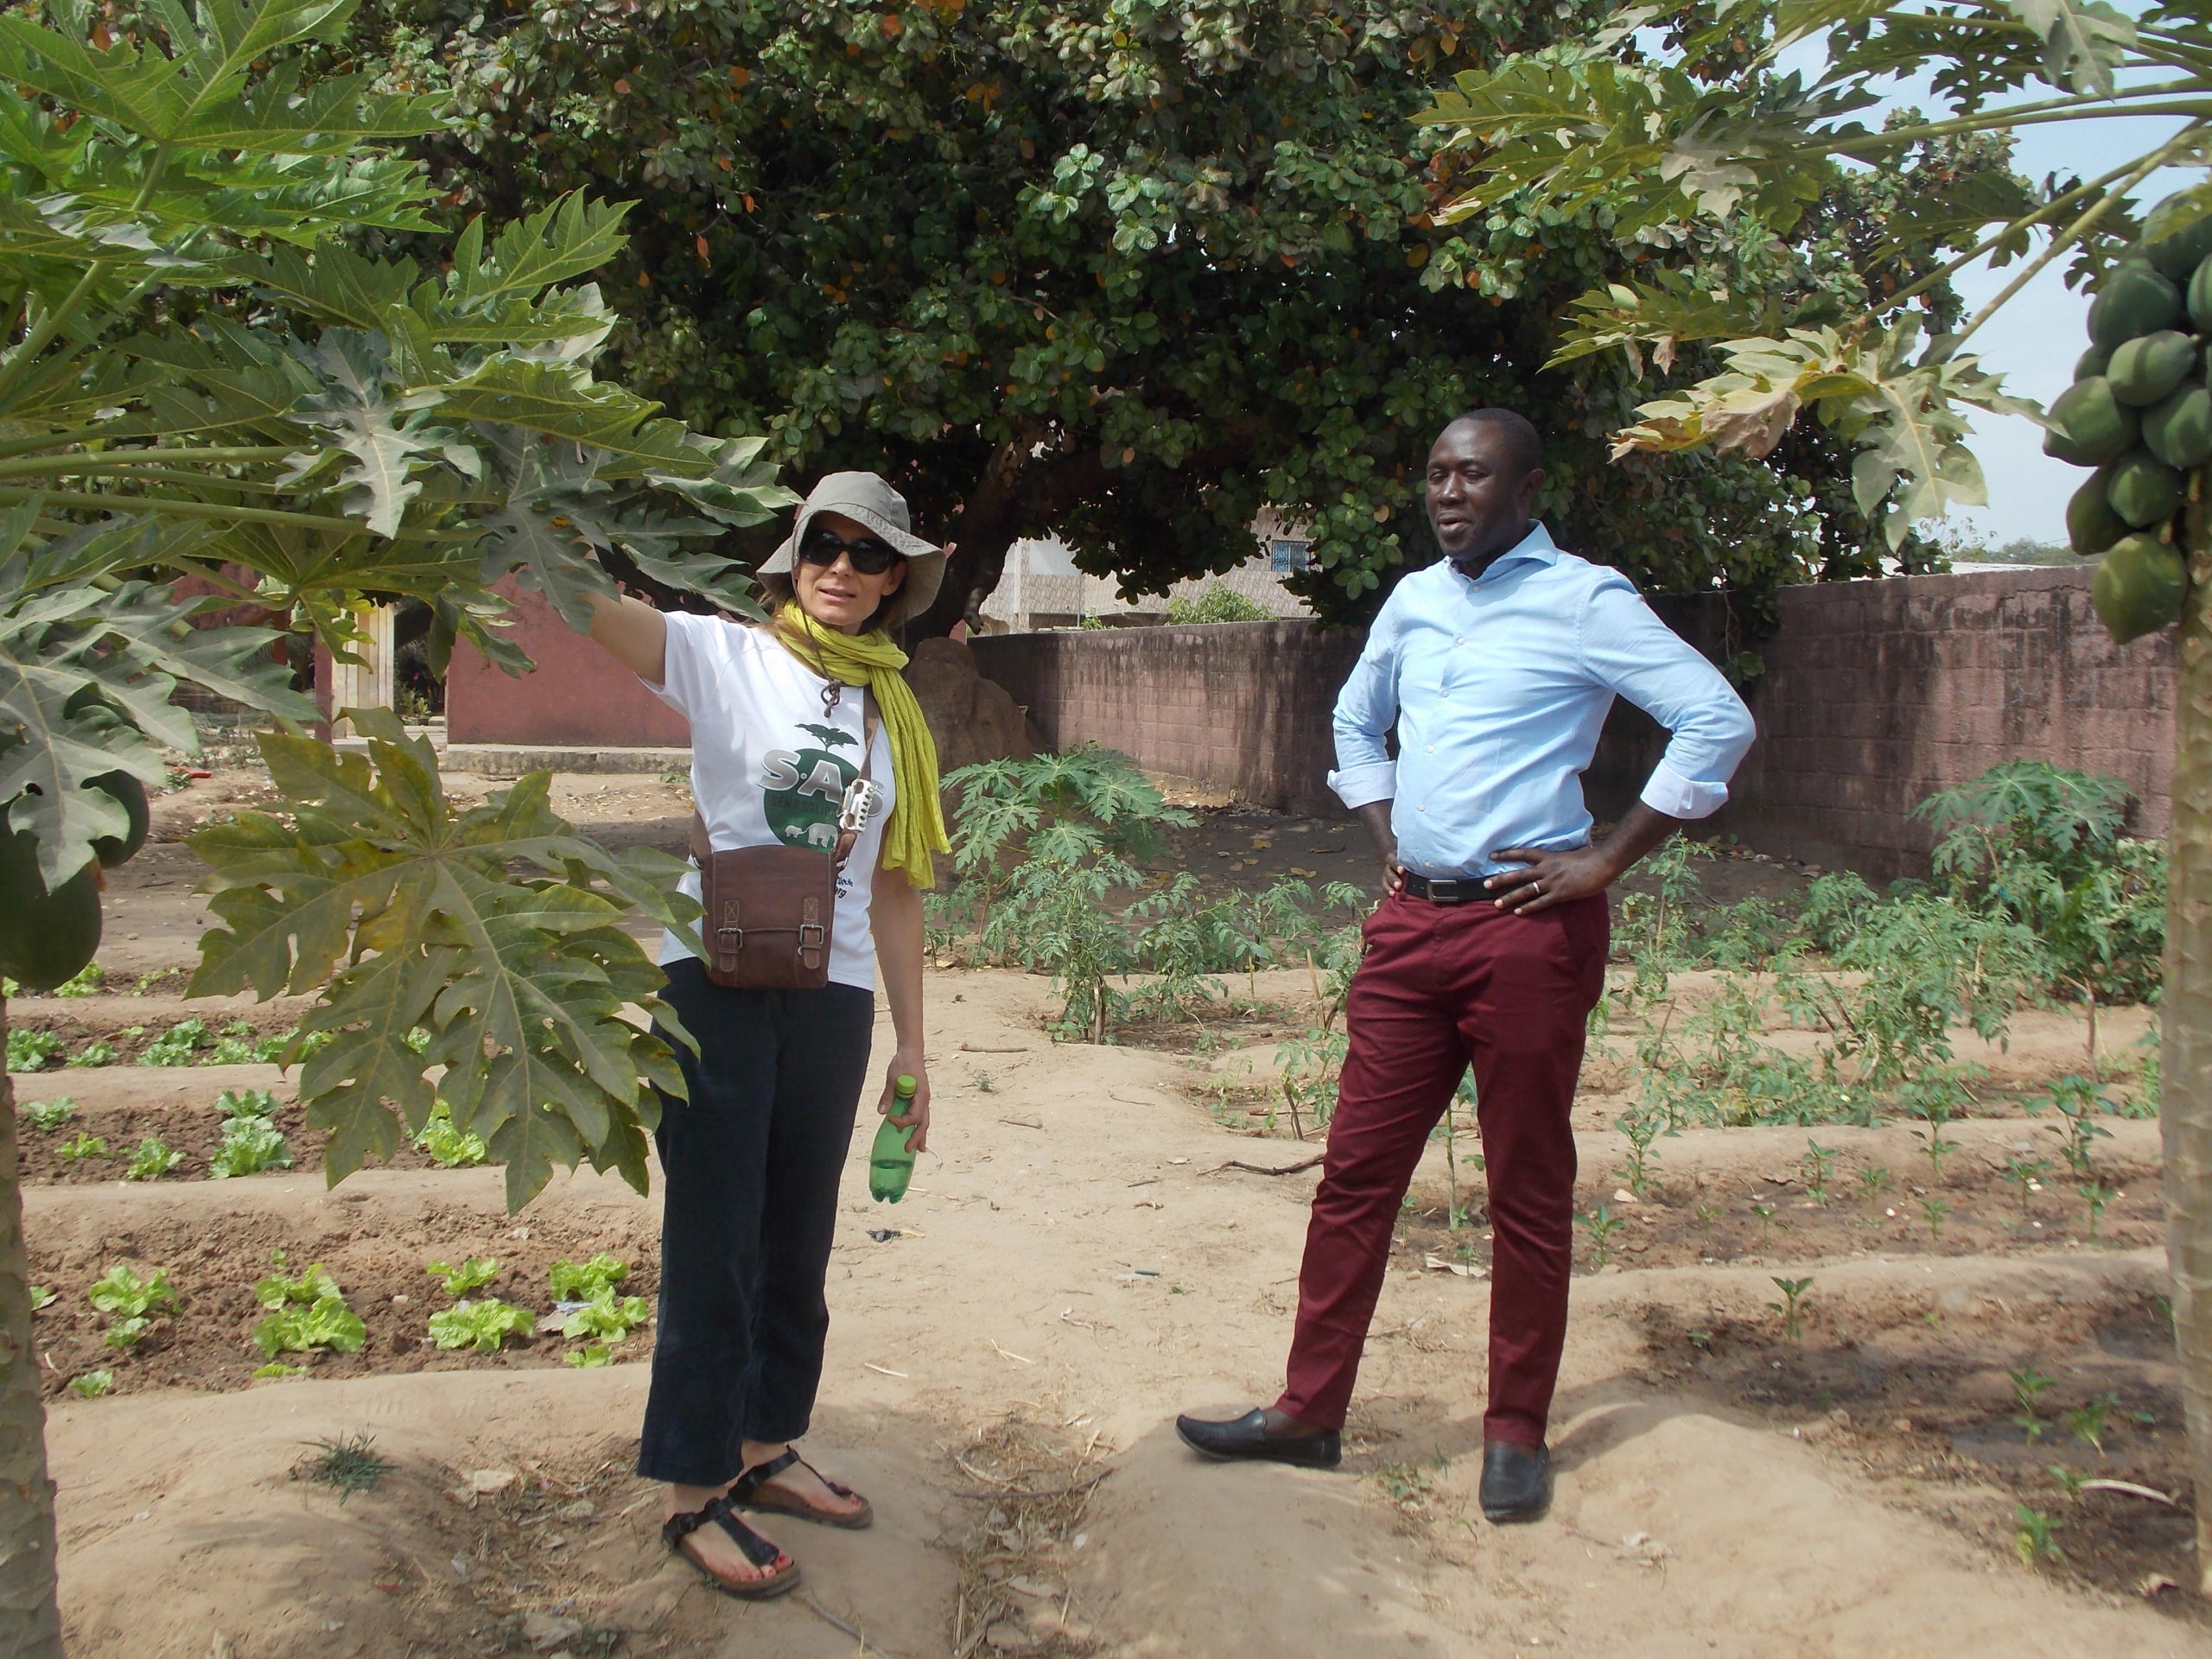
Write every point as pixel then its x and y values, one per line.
pixel 1662 314
pixel 401 911
pixel 191 94
pixel 561 400
pixel 2081 42
pixel 86 673
pixel 1908 418
pixel 362 414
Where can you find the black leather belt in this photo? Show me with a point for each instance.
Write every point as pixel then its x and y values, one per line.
pixel 1461 890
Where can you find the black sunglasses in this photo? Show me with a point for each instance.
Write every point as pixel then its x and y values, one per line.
pixel 821 545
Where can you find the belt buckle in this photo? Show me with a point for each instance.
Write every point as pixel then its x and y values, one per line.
pixel 1444 892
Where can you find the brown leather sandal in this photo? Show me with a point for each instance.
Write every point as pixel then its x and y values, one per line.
pixel 784 1574
pixel 751 1490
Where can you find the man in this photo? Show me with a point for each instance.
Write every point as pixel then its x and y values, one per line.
pixel 1497 666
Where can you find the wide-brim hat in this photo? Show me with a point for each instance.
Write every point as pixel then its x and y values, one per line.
pixel 867 499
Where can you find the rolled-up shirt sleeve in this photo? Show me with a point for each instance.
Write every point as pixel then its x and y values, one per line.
pixel 1366 709
pixel 1626 647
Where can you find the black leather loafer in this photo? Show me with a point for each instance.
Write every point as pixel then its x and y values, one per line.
pixel 1246 1438
pixel 1517 1482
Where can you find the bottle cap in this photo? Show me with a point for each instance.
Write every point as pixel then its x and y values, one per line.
pixel 904 1084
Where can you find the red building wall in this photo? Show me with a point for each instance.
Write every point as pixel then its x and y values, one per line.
pixel 577 697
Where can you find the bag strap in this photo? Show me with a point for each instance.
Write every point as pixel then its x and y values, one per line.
pixel 850 838
pixel 701 849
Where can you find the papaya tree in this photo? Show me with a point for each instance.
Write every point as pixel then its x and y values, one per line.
pixel 208 371
pixel 1654 127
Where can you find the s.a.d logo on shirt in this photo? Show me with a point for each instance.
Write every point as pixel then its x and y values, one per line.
pixel 801 788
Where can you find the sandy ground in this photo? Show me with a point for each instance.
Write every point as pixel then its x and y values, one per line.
pixel 1073 1266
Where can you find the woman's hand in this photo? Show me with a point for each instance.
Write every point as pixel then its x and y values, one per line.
pixel 918 1110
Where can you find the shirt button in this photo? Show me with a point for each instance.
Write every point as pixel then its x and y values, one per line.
pixel 1423 807
pixel 1461 640
pixel 1432 748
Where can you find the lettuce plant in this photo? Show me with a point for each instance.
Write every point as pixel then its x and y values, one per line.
pixel 483 1325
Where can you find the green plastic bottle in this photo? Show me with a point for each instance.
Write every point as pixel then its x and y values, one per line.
pixel 890 1163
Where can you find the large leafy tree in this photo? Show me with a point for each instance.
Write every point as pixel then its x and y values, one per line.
pixel 1660 135
pixel 1126 272
pixel 203 373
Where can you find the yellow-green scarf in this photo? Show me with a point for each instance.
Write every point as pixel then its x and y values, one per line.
pixel 916 826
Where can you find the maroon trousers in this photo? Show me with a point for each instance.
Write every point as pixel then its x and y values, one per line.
pixel 1443 987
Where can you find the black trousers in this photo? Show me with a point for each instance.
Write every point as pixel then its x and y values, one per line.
pixel 749 1167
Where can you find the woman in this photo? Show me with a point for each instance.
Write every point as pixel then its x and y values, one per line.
pixel 750 1162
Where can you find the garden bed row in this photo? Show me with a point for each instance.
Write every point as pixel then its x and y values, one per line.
pixel 2000 1414
pixel 374 1240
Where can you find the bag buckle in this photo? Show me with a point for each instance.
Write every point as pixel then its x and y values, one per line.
pixel 728 941
pixel 812 936
pixel 863 796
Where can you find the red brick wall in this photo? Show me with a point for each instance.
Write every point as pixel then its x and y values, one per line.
pixel 1876 693
pixel 577 697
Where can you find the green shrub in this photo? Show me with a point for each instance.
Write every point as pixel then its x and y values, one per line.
pixel 2043 846
pixel 1217 604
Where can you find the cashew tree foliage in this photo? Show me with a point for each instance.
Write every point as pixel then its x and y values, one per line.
pixel 1654 124
pixel 209 371
pixel 1126 272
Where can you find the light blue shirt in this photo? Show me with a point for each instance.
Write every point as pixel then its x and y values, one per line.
pixel 1499 687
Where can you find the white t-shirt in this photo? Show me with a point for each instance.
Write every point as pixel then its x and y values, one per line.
pixel 769 766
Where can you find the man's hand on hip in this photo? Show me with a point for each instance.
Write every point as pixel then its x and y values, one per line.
pixel 1547 878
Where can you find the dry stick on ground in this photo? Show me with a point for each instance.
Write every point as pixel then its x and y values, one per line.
pixel 1264 1169
pixel 853 1630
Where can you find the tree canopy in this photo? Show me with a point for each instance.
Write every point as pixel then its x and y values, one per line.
pixel 1124 273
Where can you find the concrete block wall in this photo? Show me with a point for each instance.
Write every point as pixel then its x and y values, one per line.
pixel 1876 693
pixel 1243 706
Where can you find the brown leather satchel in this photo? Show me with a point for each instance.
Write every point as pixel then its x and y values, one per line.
pixel 769 911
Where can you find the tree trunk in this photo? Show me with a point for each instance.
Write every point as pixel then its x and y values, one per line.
pixel 30 1619
pixel 2185 1072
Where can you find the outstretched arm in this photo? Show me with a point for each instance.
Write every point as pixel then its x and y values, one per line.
pixel 633 633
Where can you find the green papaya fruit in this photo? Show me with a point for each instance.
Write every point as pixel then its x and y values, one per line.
pixel 2091 524
pixel 2179 430
pixel 2135 300
pixel 2144 490
pixel 2177 232
pixel 45 938
pixel 119 849
pixel 2091 364
pixel 2091 425
pixel 2200 297
pixel 2138 587
pixel 2145 371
